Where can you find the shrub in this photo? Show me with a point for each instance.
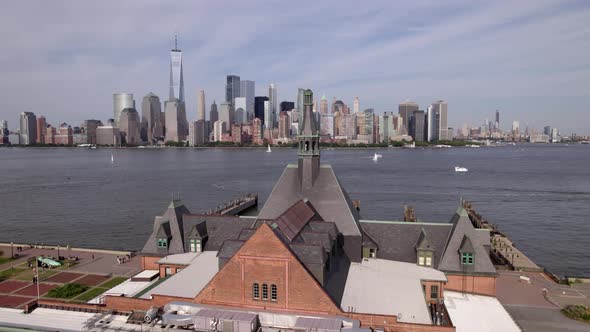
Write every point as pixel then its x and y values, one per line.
pixel 577 312
pixel 67 291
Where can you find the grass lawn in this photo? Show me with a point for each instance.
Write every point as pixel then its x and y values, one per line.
pixel 89 295
pixel 43 273
pixel 112 282
pixel 11 272
pixel 67 291
pixel 4 260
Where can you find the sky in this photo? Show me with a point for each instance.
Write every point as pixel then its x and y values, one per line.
pixel 528 59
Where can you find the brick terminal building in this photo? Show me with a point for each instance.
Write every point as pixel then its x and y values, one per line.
pixel 309 255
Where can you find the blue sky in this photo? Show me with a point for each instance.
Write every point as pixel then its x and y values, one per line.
pixel 529 59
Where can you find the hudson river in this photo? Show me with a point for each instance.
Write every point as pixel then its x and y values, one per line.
pixel 539 195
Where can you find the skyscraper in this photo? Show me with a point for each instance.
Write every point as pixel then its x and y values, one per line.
pixel 273 103
pixel 497 120
pixel 241 115
pixel 226 114
pixel 176 123
pixel 417 126
pixel 356 105
pixel 232 88
pixel 268 116
pixel 284 125
pixel 259 108
pixel 28 128
pixel 151 126
pixel 324 104
pixel 90 127
pixel 176 79
pixel 201 106
pixel 121 101
pixel 213 116
pixel 406 109
pixel 247 92
pixel 129 126
pixel 287 106
pixel 41 124
pixel 300 92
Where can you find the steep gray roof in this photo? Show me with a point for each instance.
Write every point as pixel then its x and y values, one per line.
pixel 229 248
pixel 424 242
pixel 219 228
pixel 463 228
pixel 308 253
pixel 327 197
pixel 175 228
pixel 397 240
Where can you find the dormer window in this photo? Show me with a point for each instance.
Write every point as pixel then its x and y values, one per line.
pixel 425 258
pixel 162 243
pixel 195 245
pixel 467 258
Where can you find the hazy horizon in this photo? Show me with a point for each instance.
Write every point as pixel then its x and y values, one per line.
pixel 527 59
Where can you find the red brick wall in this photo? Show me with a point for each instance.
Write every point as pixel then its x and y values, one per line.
pixel 265 259
pixel 390 324
pixel 149 262
pixel 428 284
pixel 472 284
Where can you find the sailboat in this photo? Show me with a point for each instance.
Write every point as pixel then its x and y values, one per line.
pixel 112 159
pixel 268 150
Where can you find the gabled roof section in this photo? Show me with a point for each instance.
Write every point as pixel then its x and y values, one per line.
pixel 198 230
pixel 424 242
pixel 327 197
pixel 369 242
pixel 173 215
pixel 163 230
pixel 464 235
pixel 292 221
pixel 466 245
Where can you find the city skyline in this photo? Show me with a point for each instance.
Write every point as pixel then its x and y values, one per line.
pixel 489 61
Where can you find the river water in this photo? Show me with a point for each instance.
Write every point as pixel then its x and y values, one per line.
pixel 539 195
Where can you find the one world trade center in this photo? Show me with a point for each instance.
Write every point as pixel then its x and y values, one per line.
pixel 176 79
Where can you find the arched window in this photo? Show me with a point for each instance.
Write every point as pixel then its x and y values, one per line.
pixel 273 292
pixel 255 291
pixel 313 146
pixel 265 292
pixel 306 145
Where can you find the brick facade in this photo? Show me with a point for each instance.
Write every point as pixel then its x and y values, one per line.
pixel 149 262
pixel 482 285
pixel 265 260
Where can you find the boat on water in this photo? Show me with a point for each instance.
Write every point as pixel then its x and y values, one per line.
pixel 410 146
pixel 268 149
pixel 472 146
pixel 377 156
pixel 442 146
pixel 460 169
pixel 112 159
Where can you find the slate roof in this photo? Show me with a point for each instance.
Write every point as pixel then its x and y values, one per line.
pixel 173 216
pixel 397 240
pixel 327 197
pixel 219 228
pixel 308 253
pixel 229 248
pixel 292 221
pixel 479 239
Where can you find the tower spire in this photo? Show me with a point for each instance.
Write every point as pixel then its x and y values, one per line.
pixel 309 144
pixel 175 42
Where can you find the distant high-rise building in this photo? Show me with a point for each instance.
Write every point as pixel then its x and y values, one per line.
pixel 107 135
pixel 121 101
pixel 50 133
pixel 300 92
pixel 247 89
pixel 226 114
pixel 151 125
pixel 324 104
pixel 268 116
pixel 28 128
pixel 259 107
pixel 90 127
pixel 286 106
pixel 326 124
pixel 405 110
pixel 436 122
pixel 64 135
pixel 201 105
pixel 417 126
pixel 129 126
pixel 4 132
pixel 197 133
pixel 547 130
pixel 219 128
pixel 273 103
pixel 356 107
pixel 176 122
pixel 240 113
pixel 387 127
pixel 257 137
pixel 176 76
pixel 515 128
pixel 213 116
pixel 284 125
pixel 232 88
pixel 497 120
pixel 41 124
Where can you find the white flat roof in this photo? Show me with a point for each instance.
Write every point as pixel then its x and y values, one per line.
pixel 384 287
pixel 180 259
pixel 127 288
pixel 190 280
pixel 46 318
pixel 478 313
pixel 147 274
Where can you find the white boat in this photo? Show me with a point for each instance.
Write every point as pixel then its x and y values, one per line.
pixel 112 159
pixel 442 146
pixel 376 157
pixel 461 169
pixel 268 150
pixel 472 146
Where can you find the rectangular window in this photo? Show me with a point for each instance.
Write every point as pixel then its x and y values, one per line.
pixel 265 292
pixel 162 243
pixel 434 292
pixel 273 292
pixel 195 245
pixel 428 261
pixel 372 253
pixel 421 260
pixel 168 271
pixel 255 291
pixel 467 258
